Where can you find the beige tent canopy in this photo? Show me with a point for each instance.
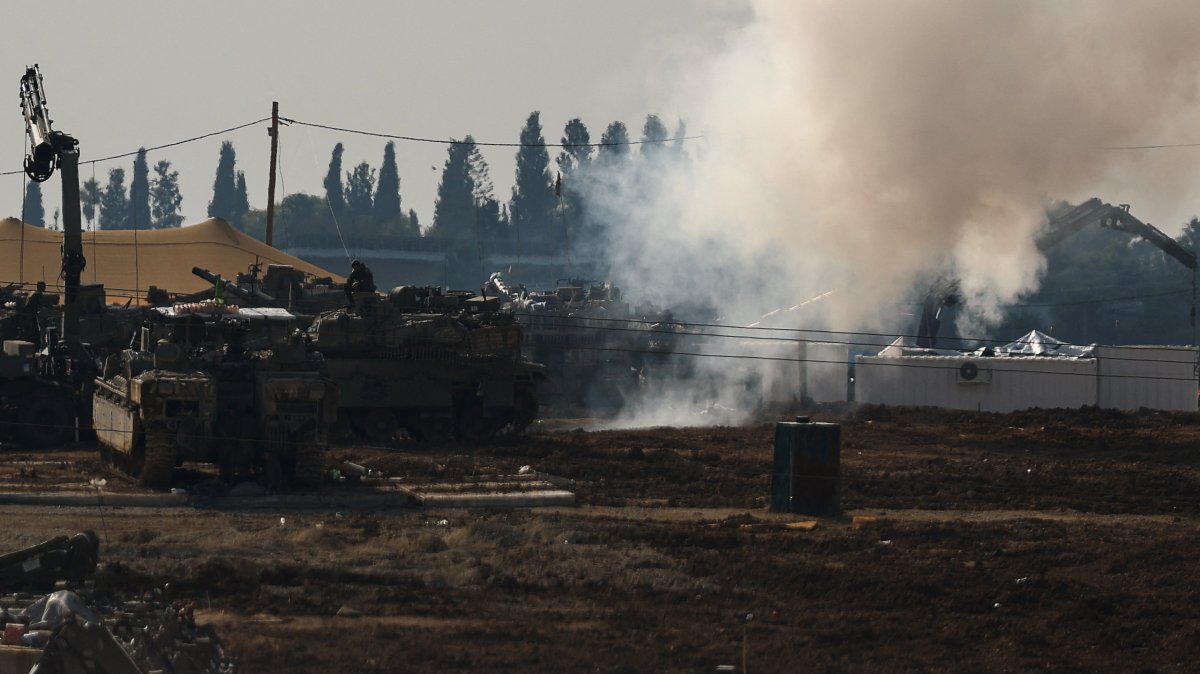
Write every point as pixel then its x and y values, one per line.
pixel 160 257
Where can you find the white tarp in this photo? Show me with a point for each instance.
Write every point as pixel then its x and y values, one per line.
pixel 1037 343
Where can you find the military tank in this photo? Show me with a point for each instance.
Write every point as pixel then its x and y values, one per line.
pixel 427 362
pixel 281 286
pixel 214 384
pixel 601 351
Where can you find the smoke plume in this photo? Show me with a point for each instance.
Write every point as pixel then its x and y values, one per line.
pixel 858 145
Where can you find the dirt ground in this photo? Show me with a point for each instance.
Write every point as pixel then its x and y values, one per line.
pixel 1060 541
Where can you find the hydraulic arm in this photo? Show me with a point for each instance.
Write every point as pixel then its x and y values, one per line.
pixel 1119 218
pixel 50 150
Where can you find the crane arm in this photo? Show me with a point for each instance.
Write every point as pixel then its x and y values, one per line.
pixel 1065 224
pixel 50 150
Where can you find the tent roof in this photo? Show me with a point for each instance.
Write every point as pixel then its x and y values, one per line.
pixel 1035 343
pixel 125 260
pixel 906 346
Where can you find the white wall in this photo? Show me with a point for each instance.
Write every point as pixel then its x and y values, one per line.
pixel 1001 385
pixel 1119 377
pixel 1157 377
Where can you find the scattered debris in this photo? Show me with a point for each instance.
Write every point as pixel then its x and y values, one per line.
pixel 60 558
pixel 353 470
pixel 527 490
pixel 803 525
pixel 863 521
pixel 81 630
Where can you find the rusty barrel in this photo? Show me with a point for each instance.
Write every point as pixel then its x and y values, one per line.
pixel 807 472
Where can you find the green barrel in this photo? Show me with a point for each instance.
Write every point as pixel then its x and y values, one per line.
pixel 807 473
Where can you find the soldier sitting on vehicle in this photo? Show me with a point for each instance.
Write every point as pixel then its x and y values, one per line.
pixel 360 280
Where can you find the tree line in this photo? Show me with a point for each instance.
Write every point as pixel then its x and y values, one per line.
pixel 149 203
pixel 550 205
pixel 548 208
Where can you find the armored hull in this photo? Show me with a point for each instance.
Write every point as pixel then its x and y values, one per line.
pixel 434 372
pixel 257 412
pixel 35 410
pixel 600 351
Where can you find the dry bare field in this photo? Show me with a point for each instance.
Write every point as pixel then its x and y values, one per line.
pixel 1063 541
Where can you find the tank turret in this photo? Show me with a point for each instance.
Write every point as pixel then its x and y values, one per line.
pixel 411 363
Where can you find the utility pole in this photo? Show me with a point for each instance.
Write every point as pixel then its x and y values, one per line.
pixel 273 132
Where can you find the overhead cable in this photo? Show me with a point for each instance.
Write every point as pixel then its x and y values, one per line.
pixel 451 141
pixel 160 147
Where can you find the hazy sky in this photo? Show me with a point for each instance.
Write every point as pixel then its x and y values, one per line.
pixel 131 73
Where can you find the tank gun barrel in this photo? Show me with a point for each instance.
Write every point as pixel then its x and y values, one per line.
pixel 232 288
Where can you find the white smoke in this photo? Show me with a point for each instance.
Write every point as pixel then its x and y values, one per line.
pixel 860 145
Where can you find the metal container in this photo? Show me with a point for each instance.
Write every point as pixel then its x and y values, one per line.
pixel 807 470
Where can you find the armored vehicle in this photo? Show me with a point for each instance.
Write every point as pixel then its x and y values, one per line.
pixel 599 350
pixel 37 409
pixel 44 380
pixel 216 385
pixel 427 362
pixel 282 286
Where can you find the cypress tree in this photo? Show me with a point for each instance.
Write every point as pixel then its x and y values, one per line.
pixel 114 205
pixel 34 212
pixel 360 183
pixel 223 204
pixel 165 197
pixel 241 202
pixel 454 210
pixel 413 225
pixel 386 212
pixel 654 135
pixel 577 151
pixel 139 192
pixel 334 191
pixel 89 200
pixel 614 144
pixel 533 198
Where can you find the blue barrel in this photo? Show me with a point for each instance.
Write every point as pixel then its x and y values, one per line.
pixel 807 473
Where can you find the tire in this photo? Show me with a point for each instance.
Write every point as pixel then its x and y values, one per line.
pixel 46 421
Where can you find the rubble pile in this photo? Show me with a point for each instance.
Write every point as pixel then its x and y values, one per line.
pixel 83 627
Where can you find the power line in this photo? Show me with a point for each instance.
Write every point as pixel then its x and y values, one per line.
pixel 1102 300
pixel 451 141
pixel 689 325
pixel 873 345
pixel 160 147
pixel 925 365
pixel 1150 147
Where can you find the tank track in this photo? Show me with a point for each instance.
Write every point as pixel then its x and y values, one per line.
pixel 309 466
pixel 158 461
